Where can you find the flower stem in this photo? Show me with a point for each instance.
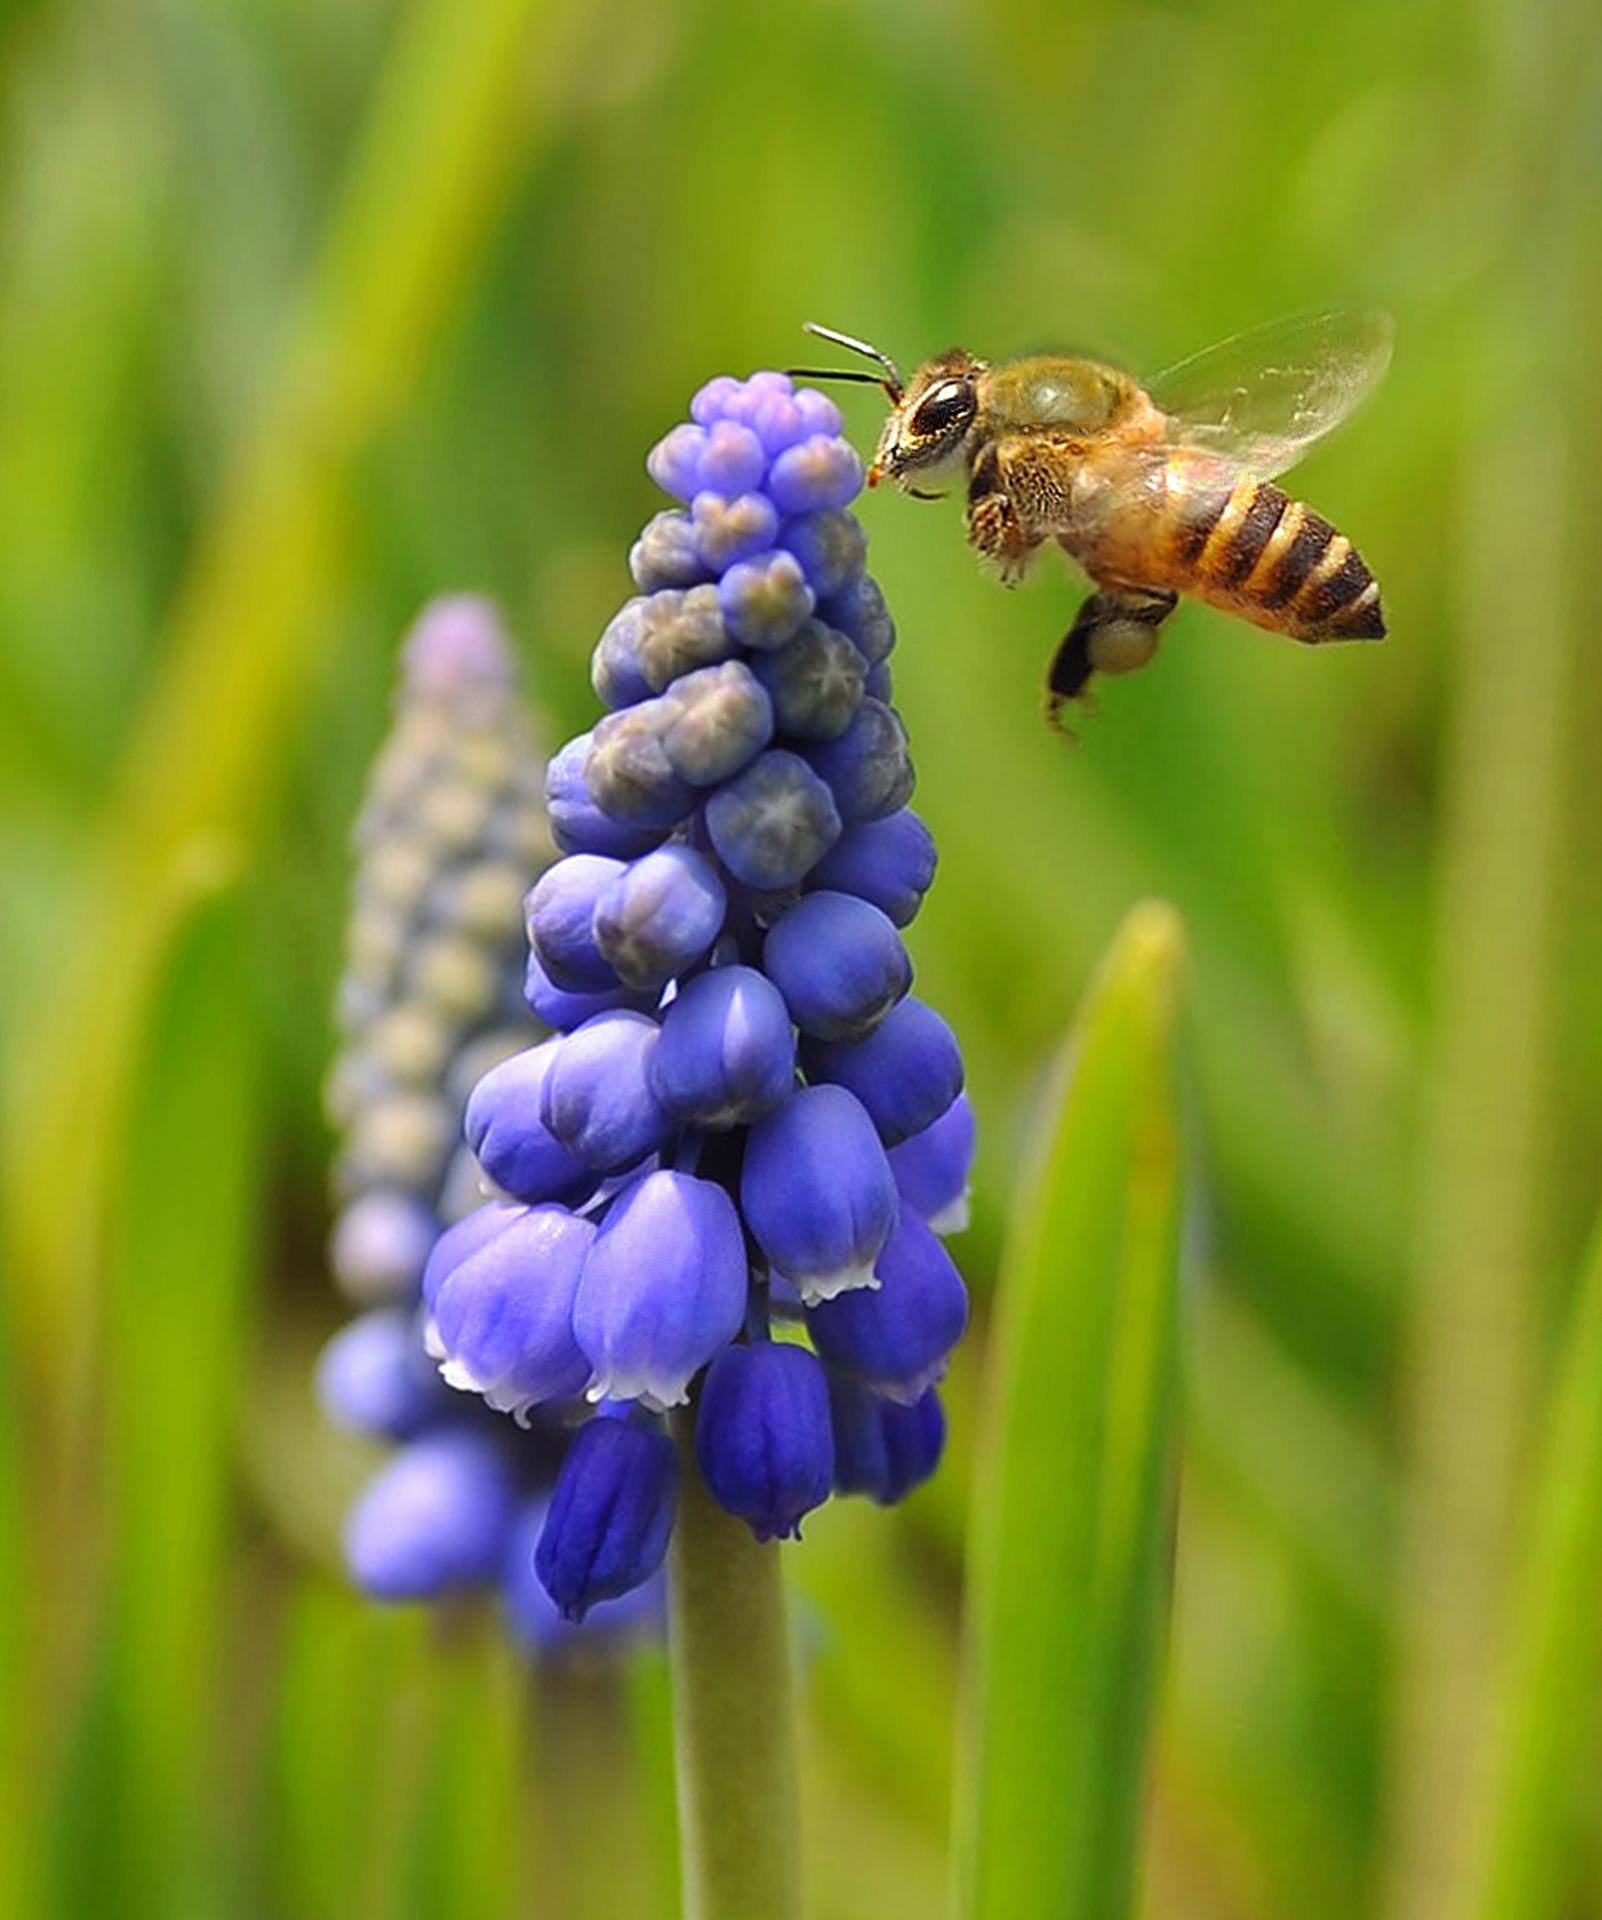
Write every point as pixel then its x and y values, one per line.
pixel 733 1717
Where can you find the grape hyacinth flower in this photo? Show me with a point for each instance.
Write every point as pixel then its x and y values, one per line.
pixel 451 836
pixel 734 1160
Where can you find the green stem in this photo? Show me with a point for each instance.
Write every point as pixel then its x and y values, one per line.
pixel 732 1711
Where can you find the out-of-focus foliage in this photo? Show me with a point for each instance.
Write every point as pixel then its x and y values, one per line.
pixel 308 311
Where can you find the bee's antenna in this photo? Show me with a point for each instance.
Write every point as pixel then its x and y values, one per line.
pixel 835 373
pixel 894 385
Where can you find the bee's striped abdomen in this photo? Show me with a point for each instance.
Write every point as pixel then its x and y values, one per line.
pixel 1254 550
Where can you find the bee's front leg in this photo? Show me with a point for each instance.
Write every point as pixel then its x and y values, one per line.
pixel 1115 631
pixel 996 528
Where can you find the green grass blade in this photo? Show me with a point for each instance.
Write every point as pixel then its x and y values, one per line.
pixel 1071 1503
pixel 179 1279
pixel 1543 1733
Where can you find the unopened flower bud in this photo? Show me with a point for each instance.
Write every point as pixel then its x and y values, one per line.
pixel 882 1448
pixel 659 916
pixel 772 823
pixel 714 722
pixel 890 861
pixel 560 913
pixel 814 681
pixel 374 1378
pixel 765 599
pixel 727 1051
pixel 508 1137
pixel 665 555
pixel 578 825
pixel 596 1097
pixel 932 1168
pixel 726 530
pixel 839 963
pixel 868 768
pixel 628 772
pixel 859 611
pixel 821 472
pixel 663 1288
pixel 817 1192
pixel 501 1319
pixel 610 1516
pixel 906 1073
pixel 895 1337
pixel 831 547
pixel 763 1438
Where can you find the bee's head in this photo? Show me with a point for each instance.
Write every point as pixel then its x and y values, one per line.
pixel 929 417
pixel 929 422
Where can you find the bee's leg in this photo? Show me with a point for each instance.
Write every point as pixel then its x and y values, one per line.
pixel 995 527
pixel 1115 631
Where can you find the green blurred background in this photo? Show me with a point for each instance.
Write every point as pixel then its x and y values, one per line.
pixel 312 308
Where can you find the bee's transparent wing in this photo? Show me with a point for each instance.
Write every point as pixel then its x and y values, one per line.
pixel 1261 399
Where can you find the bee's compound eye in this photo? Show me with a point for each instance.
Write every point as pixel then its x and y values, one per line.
pixel 942 407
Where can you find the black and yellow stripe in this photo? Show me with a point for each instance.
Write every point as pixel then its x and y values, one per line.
pixel 1256 546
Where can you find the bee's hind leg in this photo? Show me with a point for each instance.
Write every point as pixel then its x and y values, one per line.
pixel 1115 631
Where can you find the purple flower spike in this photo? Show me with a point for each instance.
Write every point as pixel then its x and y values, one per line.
pixel 763 1438
pixel 610 1516
pixel 881 1448
pixel 737 1054
pixel 727 1052
pixel 839 963
pixel 906 1073
pixel 817 1193
pixel 662 1290
pixel 560 912
pixel 772 824
pixel 895 1337
pixel 890 862
pixel 512 1145
pixel 932 1168
pixel 434 1520
pixel 596 1098
pixel 501 1320
pixel 659 916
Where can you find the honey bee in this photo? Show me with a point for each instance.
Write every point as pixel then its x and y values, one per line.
pixel 1156 490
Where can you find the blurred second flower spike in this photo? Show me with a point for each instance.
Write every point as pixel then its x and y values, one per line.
pixel 450 837
pixel 722 1182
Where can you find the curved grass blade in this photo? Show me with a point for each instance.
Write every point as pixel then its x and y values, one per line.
pixel 1068 1556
